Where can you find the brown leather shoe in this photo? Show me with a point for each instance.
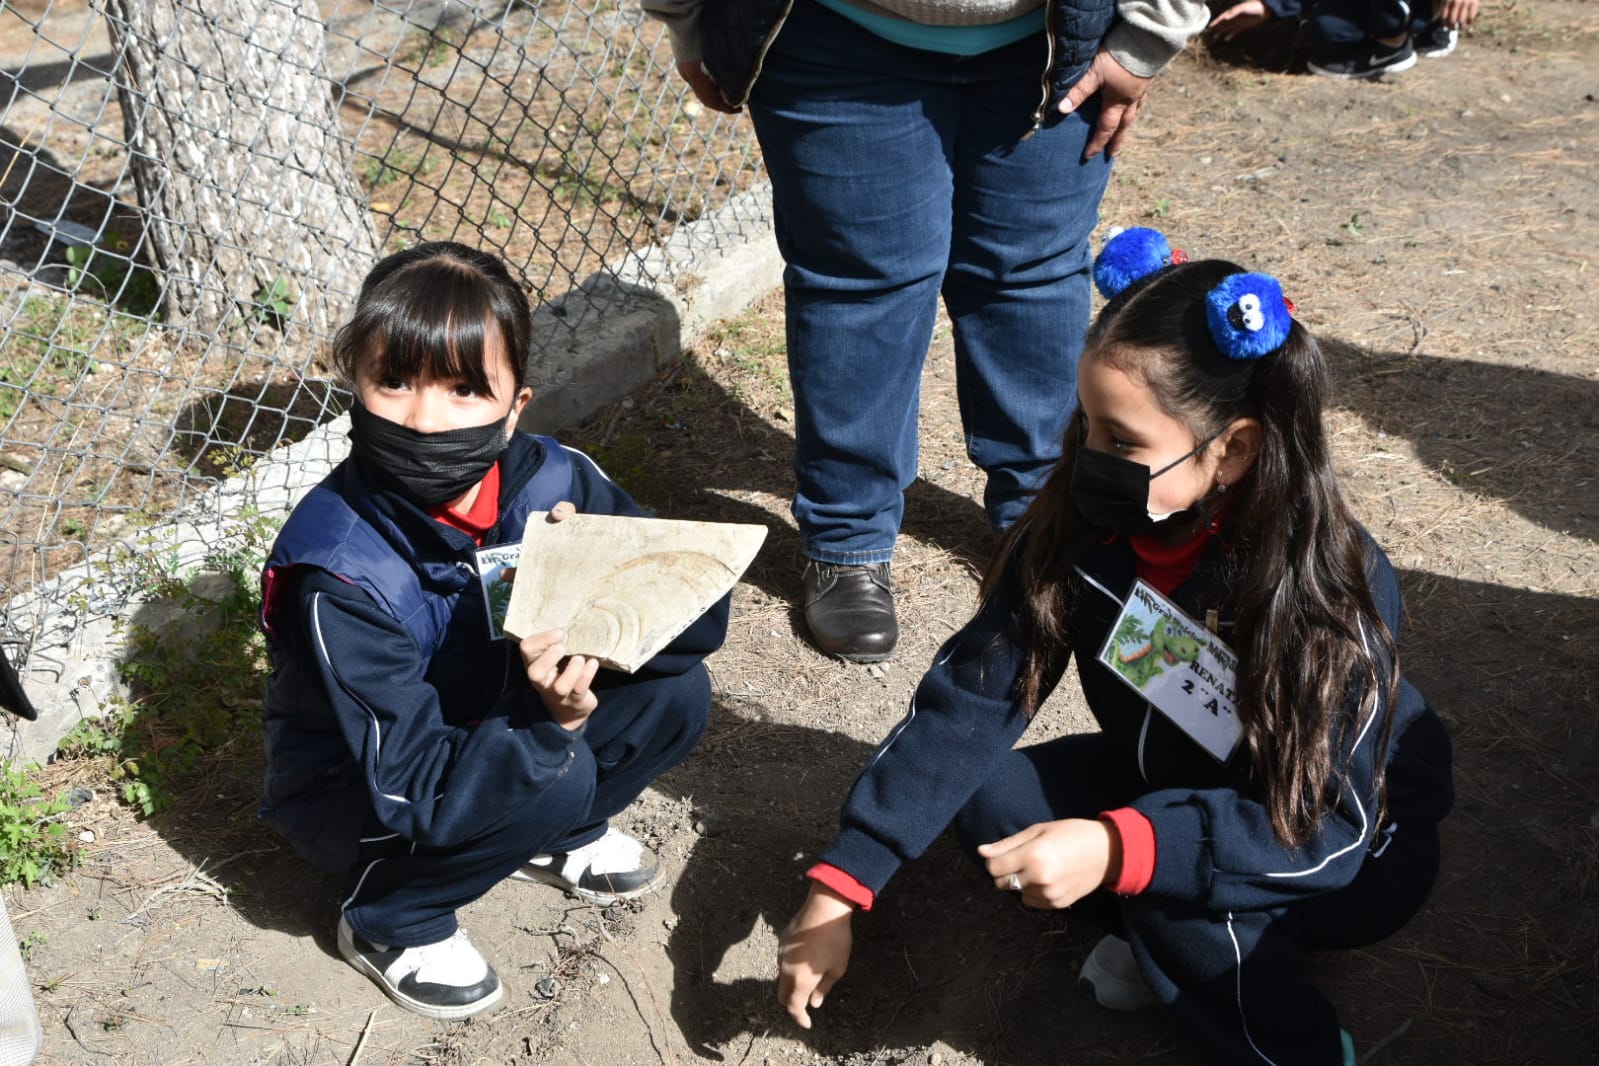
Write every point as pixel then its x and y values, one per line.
pixel 850 610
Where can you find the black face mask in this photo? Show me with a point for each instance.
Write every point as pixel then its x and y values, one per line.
pixel 426 468
pixel 1113 493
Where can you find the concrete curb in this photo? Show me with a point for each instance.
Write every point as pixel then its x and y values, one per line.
pixel 631 322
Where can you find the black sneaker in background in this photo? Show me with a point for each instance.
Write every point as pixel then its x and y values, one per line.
pixel 1436 41
pixel 1371 59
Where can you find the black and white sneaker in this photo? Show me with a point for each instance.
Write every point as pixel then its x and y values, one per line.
pixel 1436 41
pixel 611 868
pixel 447 981
pixel 1371 59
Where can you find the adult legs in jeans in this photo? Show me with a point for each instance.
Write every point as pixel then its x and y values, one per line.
pixel 406 894
pixel 897 174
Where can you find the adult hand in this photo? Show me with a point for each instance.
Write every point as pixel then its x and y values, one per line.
pixel 1056 863
pixel 813 952
pixel 1121 93
pixel 1240 18
pixel 562 681
pixel 1458 13
pixel 706 91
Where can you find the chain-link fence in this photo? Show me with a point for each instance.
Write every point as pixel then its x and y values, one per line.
pixel 191 190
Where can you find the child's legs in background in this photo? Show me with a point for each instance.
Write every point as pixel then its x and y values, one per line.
pixel 407 895
pixel 1235 983
pixel 1333 27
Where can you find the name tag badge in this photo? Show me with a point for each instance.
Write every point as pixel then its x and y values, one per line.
pixel 496 566
pixel 1180 667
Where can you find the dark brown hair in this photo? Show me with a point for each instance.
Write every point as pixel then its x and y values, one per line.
pixel 430 312
pixel 1307 632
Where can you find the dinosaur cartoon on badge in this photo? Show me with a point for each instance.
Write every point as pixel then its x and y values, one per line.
pixel 1166 646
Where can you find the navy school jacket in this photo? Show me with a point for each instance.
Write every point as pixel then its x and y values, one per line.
pixel 1214 843
pixel 387 695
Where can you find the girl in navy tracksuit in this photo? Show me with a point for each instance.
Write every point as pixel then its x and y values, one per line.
pixel 1292 805
pixel 409 750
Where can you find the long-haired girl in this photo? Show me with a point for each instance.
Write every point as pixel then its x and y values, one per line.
pixel 1264 783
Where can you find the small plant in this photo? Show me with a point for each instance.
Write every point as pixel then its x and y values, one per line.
pixel 31 943
pixel 274 303
pixel 34 841
pixel 54 341
pixel 1352 227
pixel 195 688
pixel 430 48
pixel 89 738
pixel 109 272
pixel 1160 209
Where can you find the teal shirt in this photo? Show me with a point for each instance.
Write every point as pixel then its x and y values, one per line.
pixel 952 40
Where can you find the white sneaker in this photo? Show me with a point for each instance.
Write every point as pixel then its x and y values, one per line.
pixel 448 980
pixel 614 867
pixel 1110 977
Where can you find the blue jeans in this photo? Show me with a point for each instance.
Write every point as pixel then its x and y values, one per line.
pixel 898 175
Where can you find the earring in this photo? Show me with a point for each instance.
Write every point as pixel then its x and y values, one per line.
pixel 1221 487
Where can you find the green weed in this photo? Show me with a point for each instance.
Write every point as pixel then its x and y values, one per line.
pixel 274 303
pixel 34 837
pixel 194 687
pixel 31 943
pixel 53 343
pixel 108 272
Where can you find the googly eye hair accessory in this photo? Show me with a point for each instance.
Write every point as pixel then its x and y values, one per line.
pixel 1248 315
pixel 1130 254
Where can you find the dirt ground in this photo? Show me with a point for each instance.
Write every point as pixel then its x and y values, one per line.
pixel 1441 227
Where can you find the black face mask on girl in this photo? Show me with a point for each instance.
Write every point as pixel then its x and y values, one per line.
pixel 1113 493
pixel 427 468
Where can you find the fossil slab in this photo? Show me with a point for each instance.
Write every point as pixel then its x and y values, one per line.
pixel 623 587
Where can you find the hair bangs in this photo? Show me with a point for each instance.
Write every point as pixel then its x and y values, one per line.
pixel 432 321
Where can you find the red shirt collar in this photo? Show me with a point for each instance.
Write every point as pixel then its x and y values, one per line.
pixel 482 515
pixel 1168 566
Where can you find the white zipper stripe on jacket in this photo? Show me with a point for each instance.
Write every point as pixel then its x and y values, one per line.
pixel 910 715
pixel 377 732
pixel 1360 840
pixel 1094 582
pixel 1238 991
pixel 1149 710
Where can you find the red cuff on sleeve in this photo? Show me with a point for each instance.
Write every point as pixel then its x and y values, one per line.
pixel 1138 849
pixel 843 884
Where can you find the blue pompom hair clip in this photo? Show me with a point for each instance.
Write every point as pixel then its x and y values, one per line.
pixel 1248 315
pixel 1130 254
